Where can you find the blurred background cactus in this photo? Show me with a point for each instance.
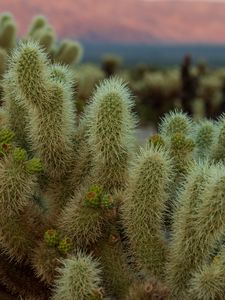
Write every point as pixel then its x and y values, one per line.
pixel 194 86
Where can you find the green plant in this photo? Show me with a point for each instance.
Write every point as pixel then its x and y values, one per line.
pixel 84 214
pixel 7 31
pixel 69 52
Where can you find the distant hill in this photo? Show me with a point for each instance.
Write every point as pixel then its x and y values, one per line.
pixel 127 21
pixel 157 54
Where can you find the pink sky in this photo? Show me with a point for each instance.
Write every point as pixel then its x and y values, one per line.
pixel 127 20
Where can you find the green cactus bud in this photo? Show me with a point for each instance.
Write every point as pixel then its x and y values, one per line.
pixel 34 165
pixel 51 237
pixel 92 200
pixel 93 196
pixel 79 279
pixel 107 201
pixel 19 155
pixel 6 136
pixel 65 246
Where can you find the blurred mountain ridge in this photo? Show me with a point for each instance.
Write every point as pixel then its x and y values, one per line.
pixel 126 21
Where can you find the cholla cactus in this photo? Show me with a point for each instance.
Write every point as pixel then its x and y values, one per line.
pixel 176 128
pixel 175 122
pixel 37 23
pixel 80 279
pixel 204 136
pixel 3 61
pixel 69 52
pixel 110 133
pixel 7 31
pixel 41 94
pixel 115 269
pixel 182 253
pixel 70 186
pixel 217 152
pixel 208 282
pixel 111 64
pixel 14 105
pixel 18 181
pixel 41 32
pixel 144 208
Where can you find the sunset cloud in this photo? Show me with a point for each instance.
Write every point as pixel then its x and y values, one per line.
pixel 127 21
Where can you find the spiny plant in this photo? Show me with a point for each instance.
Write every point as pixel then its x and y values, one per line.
pixel 144 207
pixel 42 32
pixel 84 213
pixel 66 52
pixel 69 52
pixel 204 134
pixel 7 31
pixel 79 279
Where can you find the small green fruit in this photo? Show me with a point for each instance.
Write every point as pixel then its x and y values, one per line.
pixel 34 165
pixel 107 202
pixel 93 197
pixel 6 136
pixel 19 155
pixel 65 246
pixel 51 237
